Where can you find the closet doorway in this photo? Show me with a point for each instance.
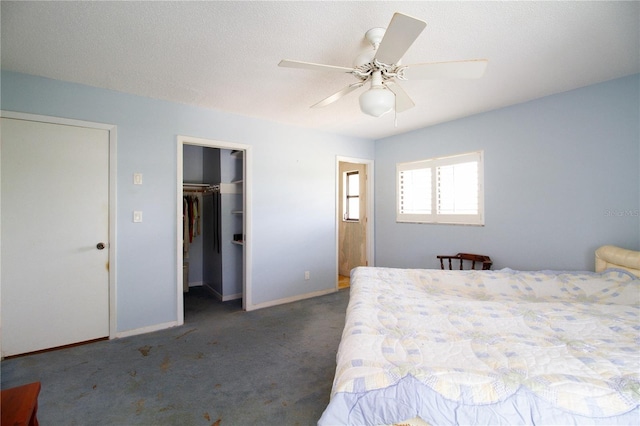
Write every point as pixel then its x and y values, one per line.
pixel 354 217
pixel 213 227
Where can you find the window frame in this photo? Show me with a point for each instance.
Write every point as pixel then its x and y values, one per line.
pixel 432 164
pixel 345 215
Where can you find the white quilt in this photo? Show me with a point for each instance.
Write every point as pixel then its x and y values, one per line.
pixel 488 347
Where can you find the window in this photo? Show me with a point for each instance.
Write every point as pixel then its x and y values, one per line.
pixel 351 196
pixel 441 190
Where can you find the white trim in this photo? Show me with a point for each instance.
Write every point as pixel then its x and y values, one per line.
pixel 148 329
pixel 294 298
pixel 55 120
pixel 113 226
pixel 113 196
pixel 179 242
pixel 219 296
pixel 246 189
pixel 370 208
pixel 231 297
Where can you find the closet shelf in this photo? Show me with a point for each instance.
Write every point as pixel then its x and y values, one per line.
pixel 237 212
pixel 238 243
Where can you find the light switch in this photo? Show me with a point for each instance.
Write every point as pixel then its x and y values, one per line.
pixel 137 216
pixel 137 178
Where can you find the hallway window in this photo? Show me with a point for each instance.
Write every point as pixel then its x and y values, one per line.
pixel 351 196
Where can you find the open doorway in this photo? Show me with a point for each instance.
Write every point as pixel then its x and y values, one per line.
pixel 213 225
pixel 354 216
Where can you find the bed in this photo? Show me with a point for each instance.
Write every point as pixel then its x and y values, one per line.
pixel 490 347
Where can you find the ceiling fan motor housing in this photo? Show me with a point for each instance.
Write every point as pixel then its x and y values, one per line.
pixel 366 62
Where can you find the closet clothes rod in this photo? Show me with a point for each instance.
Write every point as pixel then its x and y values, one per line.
pixel 200 187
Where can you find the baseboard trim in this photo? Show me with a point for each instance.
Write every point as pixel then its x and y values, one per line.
pixel 148 329
pixel 219 296
pixel 290 299
pixel 215 293
pixel 162 326
pixel 232 297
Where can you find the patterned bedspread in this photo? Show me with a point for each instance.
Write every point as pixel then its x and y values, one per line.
pixel 488 347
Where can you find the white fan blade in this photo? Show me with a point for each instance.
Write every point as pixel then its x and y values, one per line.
pixel 402 31
pixel 403 101
pixel 444 70
pixel 311 66
pixel 331 99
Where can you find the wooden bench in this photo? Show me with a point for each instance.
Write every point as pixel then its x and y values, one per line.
pixel 19 405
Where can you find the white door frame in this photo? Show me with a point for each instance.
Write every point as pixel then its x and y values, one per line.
pixel 370 211
pixel 113 168
pixel 246 190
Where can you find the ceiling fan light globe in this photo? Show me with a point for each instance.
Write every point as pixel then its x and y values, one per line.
pixel 377 101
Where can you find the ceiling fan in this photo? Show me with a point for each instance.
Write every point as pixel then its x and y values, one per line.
pixel 381 66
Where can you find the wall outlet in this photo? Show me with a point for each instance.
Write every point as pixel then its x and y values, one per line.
pixel 306 275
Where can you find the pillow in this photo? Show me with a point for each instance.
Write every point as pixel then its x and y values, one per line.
pixel 616 257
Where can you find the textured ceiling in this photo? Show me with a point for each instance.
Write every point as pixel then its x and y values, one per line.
pixel 223 55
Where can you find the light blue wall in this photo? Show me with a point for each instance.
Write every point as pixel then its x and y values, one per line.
pixel 554 167
pixel 562 177
pixel 293 191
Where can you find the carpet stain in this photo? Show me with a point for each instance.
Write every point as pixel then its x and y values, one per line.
pixel 133 373
pixel 139 406
pixel 217 386
pixel 166 363
pixel 168 407
pixel 145 350
pixel 206 416
pixel 184 334
pixel 216 423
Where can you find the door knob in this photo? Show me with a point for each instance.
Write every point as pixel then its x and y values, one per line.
pixel 100 246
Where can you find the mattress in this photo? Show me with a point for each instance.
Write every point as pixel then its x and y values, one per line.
pixel 488 347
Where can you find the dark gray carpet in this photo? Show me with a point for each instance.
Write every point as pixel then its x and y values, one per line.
pixel 224 367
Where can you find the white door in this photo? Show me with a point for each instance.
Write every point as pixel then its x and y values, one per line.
pixel 55 212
